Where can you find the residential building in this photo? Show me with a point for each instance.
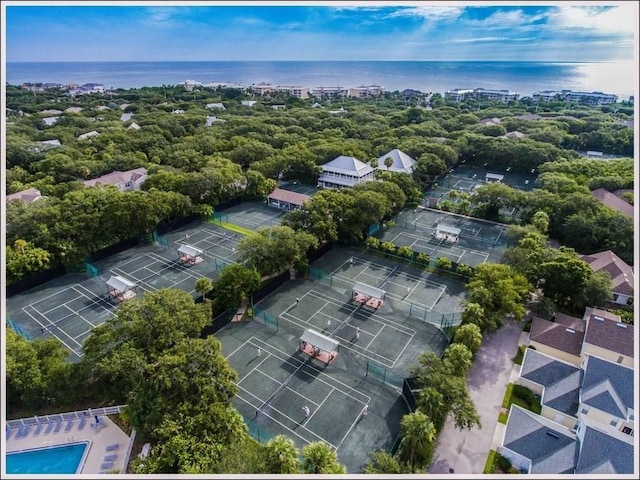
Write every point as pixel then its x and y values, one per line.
pixel 622 276
pixel 607 395
pixel 402 163
pixel 216 85
pixel 262 88
pixel 557 383
pixel 279 106
pixel 29 195
pixel 344 171
pixel 73 110
pixel 189 85
pixel 460 94
pixel 125 117
pixel 366 91
pixel 92 88
pixel 88 135
pixel 218 106
pixel 561 339
pixel 248 103
pixel 536 445
pixel 329 92
pixel 606 336
pixel 133 126
pixel 589 98
pixel 129 180
pixel 613 201
pixel 211 120
pixel 602 454
pixel 294 91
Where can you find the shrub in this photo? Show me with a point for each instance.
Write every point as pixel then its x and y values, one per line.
pixel 405 252
pixel 388 247
pixel 503 463
pixel 424 258
pixel 372 242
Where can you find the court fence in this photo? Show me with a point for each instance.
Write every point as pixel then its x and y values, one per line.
pixel 91 269
pixel 219 322
pixel 383 374
pixel 16 328
pixel 258 433
pixel 268 319
pixel 320 275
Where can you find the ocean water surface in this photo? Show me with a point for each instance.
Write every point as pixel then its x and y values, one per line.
pixel 522 77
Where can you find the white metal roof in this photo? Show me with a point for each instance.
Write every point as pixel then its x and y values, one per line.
pixel 348 165
pixel 319 340
pixel 402 162
pixel 369 290
pixel 447 229
pixel 189 250
pixel 120 284
pixel 497 176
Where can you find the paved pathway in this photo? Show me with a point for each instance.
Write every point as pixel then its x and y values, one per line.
pixel 466 451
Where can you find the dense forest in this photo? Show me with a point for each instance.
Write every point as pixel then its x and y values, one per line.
pixel 193 167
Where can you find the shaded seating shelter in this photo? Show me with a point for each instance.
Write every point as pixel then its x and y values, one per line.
pixel 493 177
pixel 121 288
pixel 447 232
pixel 190 255
pixel 318 346
pixel 368 295
pixel 286 200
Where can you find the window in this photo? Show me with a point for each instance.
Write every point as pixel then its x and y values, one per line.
pixel 585 410
pixel 627 430
pixel 613 422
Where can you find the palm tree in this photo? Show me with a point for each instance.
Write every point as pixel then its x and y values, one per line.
pixel 318 457
pixel 203 286
pixel 388 162
pixel 418 441
pixel 280 455
pixel 470 336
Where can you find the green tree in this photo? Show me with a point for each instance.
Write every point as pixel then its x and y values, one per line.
pixel 388 162
pixel 235 283
pixel 203 286
pixel 458 358
pixel 418 441
pixel 469 335
pixel 318 457
pixel 381 462
pixel 24 258
pixel 275 249
pixel 280 455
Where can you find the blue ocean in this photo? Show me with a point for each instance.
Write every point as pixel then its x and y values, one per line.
pixel 522 77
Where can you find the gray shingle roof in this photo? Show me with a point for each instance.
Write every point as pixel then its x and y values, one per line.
pixel 348 165
pixel 607 386
pixel 551 447
pixel 604 454
pixel 614 202
pixel 561 381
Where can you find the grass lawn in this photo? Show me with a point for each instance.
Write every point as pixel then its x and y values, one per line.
pixel 521 396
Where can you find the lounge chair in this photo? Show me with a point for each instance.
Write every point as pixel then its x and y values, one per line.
pixel 38 428
pixel 106 466
pixel 110 458
pixel 112 447
pixel 24 431
pixel 9 432
pixel 56 429
pixel 69 425
pixel 49 427
pixel 82 423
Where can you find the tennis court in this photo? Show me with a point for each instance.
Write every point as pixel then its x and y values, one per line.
pixel 371 335
pixel 300 188
pixel 251 215
pixel 69 307
pixel 275 386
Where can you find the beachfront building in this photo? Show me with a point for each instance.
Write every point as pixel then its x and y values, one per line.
pixel 329 92
pixel 189 85
pixel 460 94
pixel 294 91
pixel 262 88
pixel 345 171
pixel 588 98
pixel 366 91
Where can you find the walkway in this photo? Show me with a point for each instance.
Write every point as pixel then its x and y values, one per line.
pixel 466 451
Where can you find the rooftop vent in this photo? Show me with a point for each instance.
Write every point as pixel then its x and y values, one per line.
pixel 621 325
pixel 570 330
pixel 552 434
pixel 600 319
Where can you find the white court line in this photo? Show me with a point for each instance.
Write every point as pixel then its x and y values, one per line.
pixel 76 286
pixel 48 330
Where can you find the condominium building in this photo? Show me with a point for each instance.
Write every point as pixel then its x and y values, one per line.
pixel 329 91
pixel 460 94
pixel 262 88
pixel 589 98
pixel 294 91
pixel 366 91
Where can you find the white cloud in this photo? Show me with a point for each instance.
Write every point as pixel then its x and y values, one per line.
pixel 481 39
pixel 622 19
pixel 507 19
pixel 429 12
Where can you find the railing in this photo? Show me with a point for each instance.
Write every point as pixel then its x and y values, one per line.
pixel 60 417
pixel 127 456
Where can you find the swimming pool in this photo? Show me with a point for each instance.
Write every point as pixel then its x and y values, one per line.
pixel 48 460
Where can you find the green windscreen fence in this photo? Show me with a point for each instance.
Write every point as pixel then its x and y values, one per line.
pixel 384 374
pixel 219 217
pixel 16 328
pixel 258 433
pixel 268 319
pixel 320 275
pixel 160 240
pixel 91 269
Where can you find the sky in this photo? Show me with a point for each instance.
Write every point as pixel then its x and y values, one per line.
pixel 213 31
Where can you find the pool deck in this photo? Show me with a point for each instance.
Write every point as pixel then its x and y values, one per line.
pixel 100 439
